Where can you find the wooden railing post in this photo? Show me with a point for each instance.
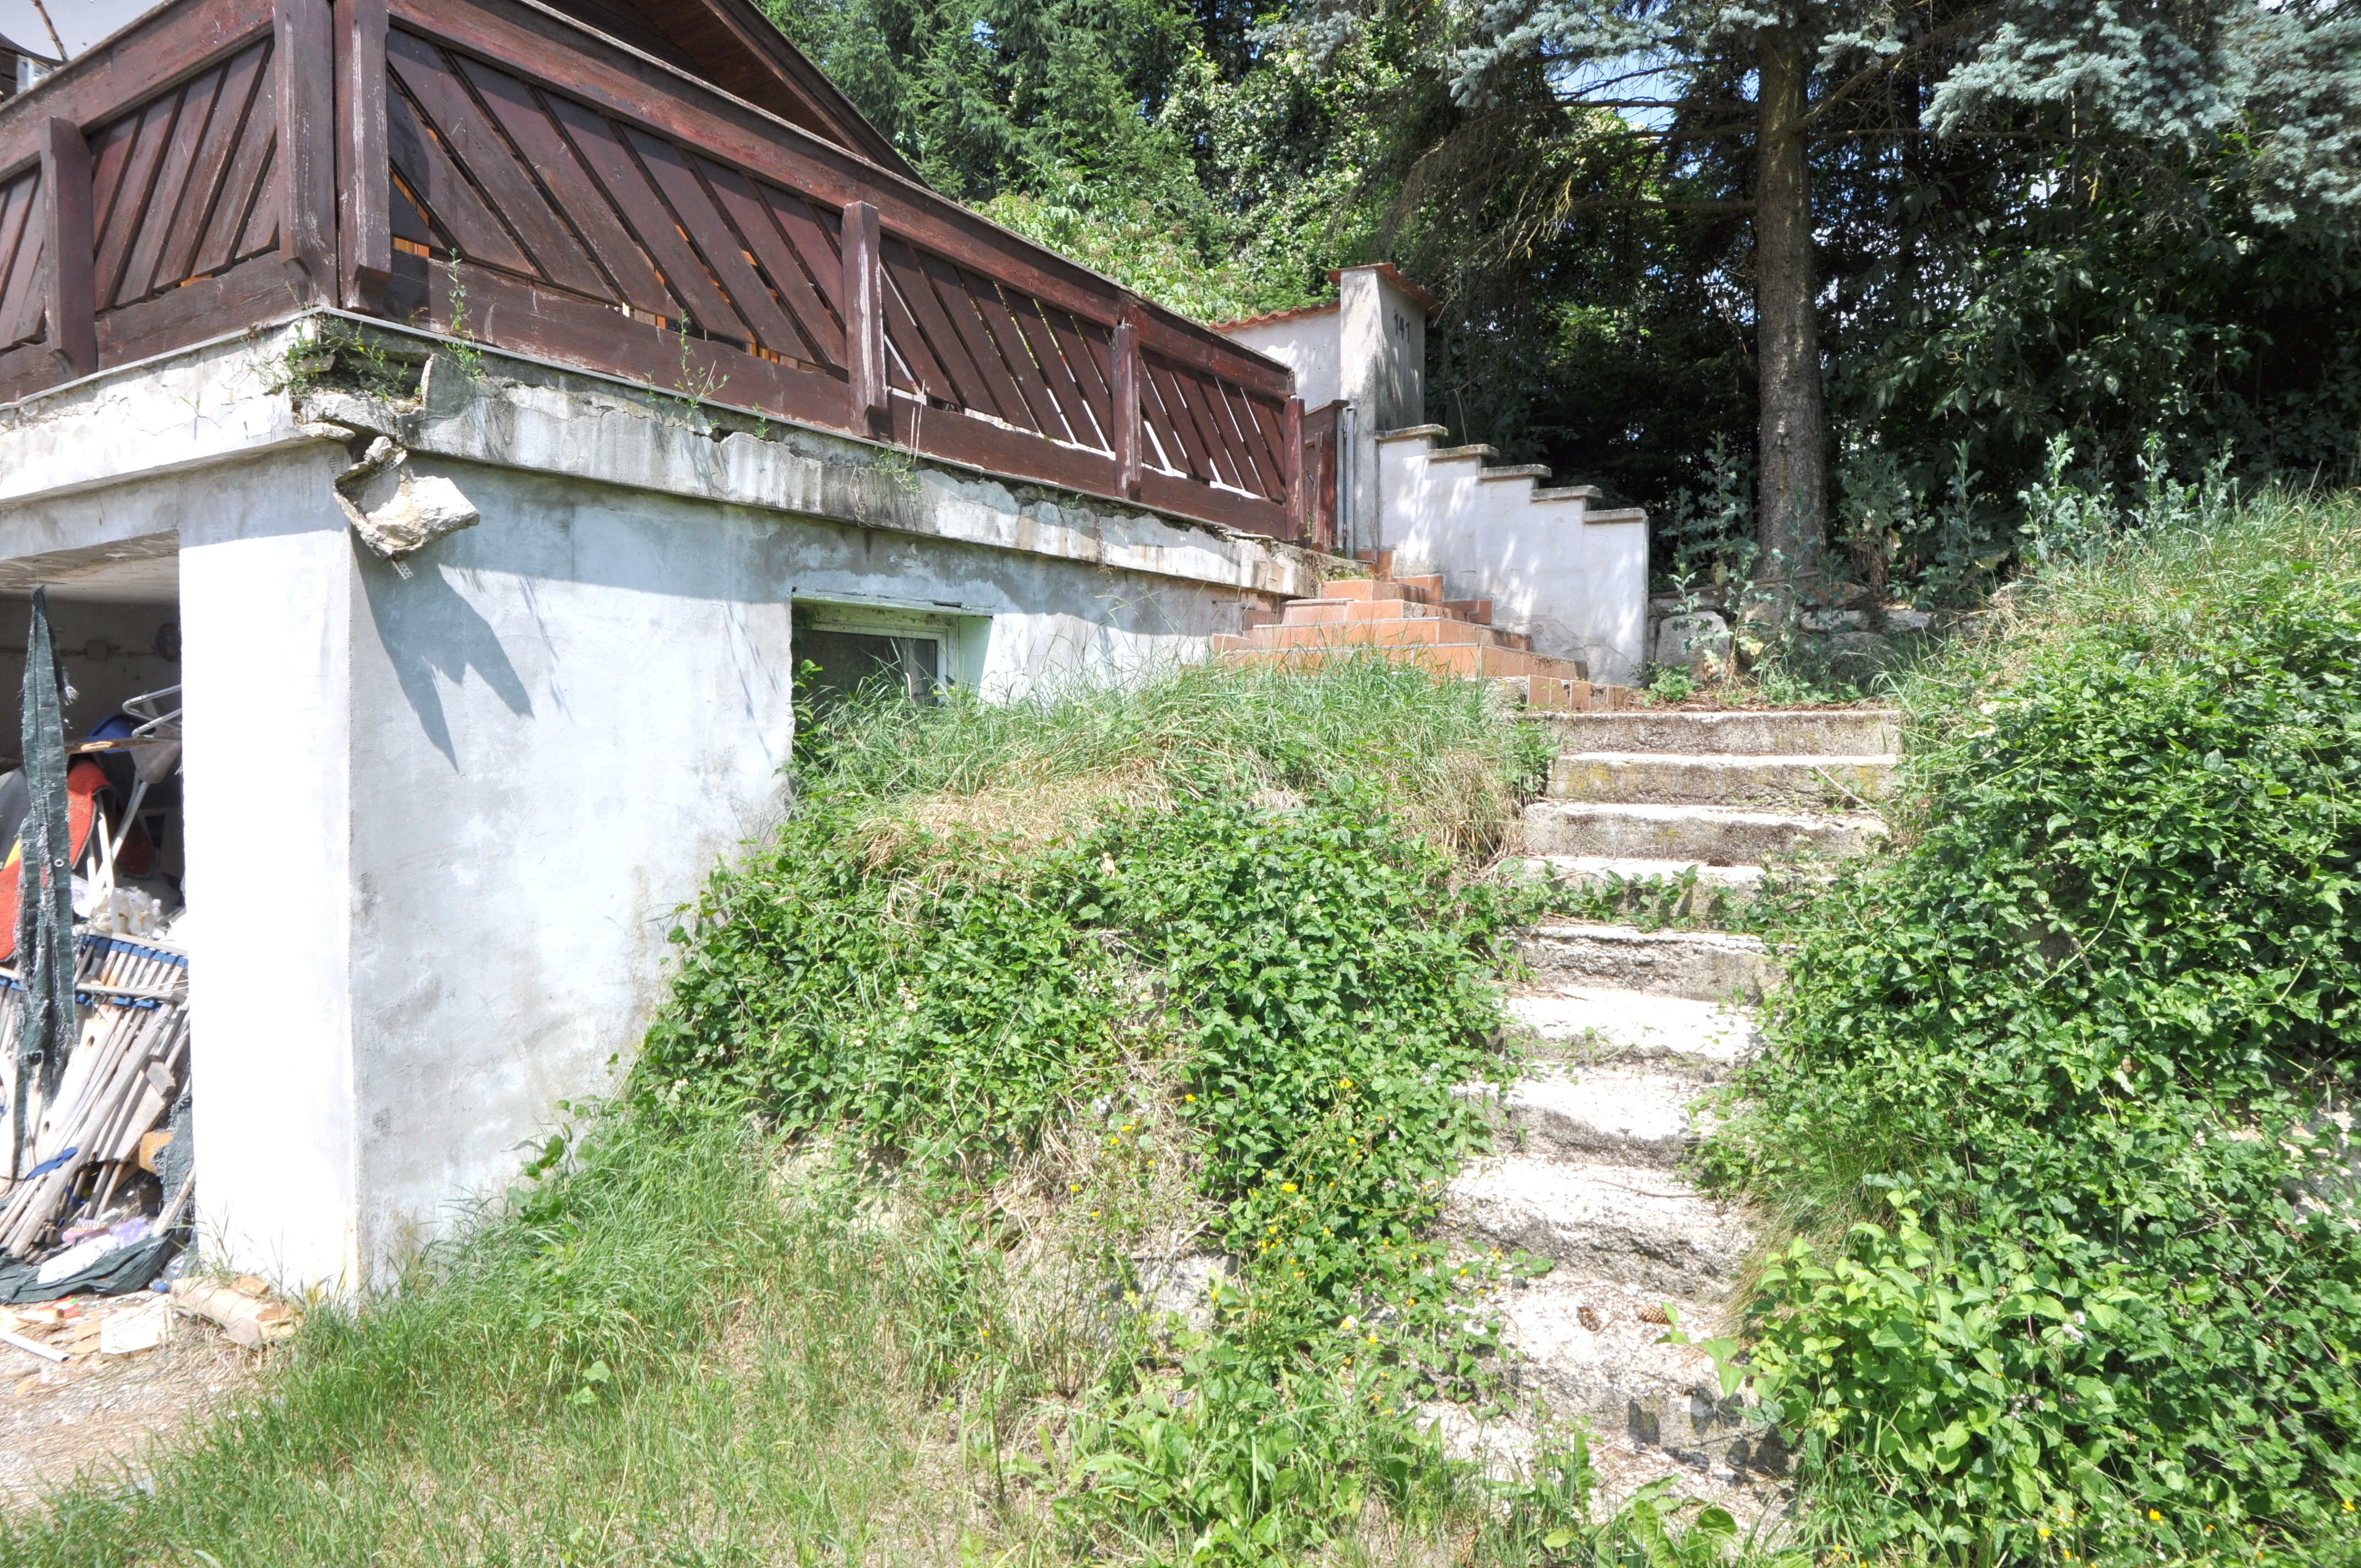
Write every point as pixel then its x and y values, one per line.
pixel 305 56
pixel 1126 413
pixel 73 304
pixel 364 221
pixel 864 319
pixel 1290 427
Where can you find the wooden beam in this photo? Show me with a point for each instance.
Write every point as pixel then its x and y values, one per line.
pixel 1126 410
pixel 306 65
pixel 864 318
pixel 1290 462
pixel 73 304
pixel 364 216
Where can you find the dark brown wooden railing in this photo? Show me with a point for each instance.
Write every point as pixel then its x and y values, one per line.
pixel 497 171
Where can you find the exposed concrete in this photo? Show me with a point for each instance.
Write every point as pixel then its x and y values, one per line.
pixel 1634 1224
pixel 1837 733
pixel 438 825
pixel 1603 870
pixel 1659 778
pixel 1586 1024
pixel 1708 835
pixel 1706 966
pixel 1622 1115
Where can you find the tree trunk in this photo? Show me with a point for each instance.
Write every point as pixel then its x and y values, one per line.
pixel 1792 498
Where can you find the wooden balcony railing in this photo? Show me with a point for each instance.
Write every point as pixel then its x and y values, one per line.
pixel 492 169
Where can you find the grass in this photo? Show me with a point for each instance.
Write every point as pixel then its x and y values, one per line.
pixel 689 1338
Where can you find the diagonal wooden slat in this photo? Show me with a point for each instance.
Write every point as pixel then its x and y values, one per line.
pixel 911 364
pixel 245 187
pixel 1018 356
pixel 212 166
pixel 1046 353
pixel 933 330
pixel 1177 428
pixel 717 244
pixel 1089 353
pixel 1221 443
pixel 131 190
pixel 482 153
pixel 529 125
pixel 1270 426
pixel 449 199
pixel 1000 397
pixel 26 326
pixel 169 190
pixel 814 238
pixel 1217 409
pixel 17 201
pixel 602 151
pixel 261 232
pixel 411 222
pixel 823 333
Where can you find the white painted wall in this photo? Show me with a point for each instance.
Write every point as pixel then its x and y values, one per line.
pixel 437 827
pixel 1308 343
pixel 267 595
pixel 1578 587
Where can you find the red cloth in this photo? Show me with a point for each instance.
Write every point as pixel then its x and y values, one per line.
pixel 84 779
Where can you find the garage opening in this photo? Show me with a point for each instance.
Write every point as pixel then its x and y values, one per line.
pixel 96 1167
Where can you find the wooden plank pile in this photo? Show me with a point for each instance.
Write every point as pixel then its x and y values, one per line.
pixel 128 1066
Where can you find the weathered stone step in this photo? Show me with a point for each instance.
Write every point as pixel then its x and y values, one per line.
pixel 1673 778
pixel 1631 1224
pixel 1834 732
pixel 1620 1114
pixel 1594 1347
pixel 1708 834
pixel 1701 1041
pixel 1709 966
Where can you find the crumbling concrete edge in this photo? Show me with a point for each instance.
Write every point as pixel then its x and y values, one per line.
pixel 228 397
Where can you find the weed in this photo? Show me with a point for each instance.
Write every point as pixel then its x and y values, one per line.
pixel 2049 1102
pixel 462 347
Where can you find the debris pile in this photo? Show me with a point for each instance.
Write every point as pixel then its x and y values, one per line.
pixel 96 1170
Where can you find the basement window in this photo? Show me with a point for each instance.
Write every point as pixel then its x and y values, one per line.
pixel 841 649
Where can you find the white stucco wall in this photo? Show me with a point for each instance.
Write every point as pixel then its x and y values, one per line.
pixel 1306 342
pixel 438 825
pixel 1575 582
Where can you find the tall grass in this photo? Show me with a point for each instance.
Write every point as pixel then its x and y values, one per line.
pixel 1436 752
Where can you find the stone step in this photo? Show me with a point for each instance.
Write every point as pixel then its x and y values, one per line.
pixel 1701 1041
pixel 1633 1224
pixel 1824 731
pixel 1730 886
pixel 1705 966
pixel 1713 836
pixel 1595 1348
pixel 1673 778
pixel 1621 1114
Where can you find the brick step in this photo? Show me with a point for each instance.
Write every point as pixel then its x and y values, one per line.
pixel 1467 659
pixel 1334 611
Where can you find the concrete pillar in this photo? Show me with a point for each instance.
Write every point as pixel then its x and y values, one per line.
pixel 1382 356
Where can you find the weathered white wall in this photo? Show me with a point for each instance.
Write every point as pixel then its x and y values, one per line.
pixel 1306 342
pixel 267 587
pixel 437 827
pixel 1573 580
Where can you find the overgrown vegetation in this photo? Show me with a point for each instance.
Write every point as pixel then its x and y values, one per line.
pixel 2057 1107
pixel 1029 1013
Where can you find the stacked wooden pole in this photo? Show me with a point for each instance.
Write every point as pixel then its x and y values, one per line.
pixel 122 1078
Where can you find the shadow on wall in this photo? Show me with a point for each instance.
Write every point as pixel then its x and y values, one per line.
pixel 428 630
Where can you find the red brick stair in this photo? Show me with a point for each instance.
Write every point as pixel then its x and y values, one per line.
pixel 1406 617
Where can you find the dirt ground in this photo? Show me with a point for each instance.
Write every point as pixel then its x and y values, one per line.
pixel 99 1412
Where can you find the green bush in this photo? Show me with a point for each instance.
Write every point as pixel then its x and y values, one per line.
pixel 2054 1099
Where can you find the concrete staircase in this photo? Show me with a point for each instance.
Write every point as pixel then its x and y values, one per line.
pixel 1627 1030
pixel 1408 617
